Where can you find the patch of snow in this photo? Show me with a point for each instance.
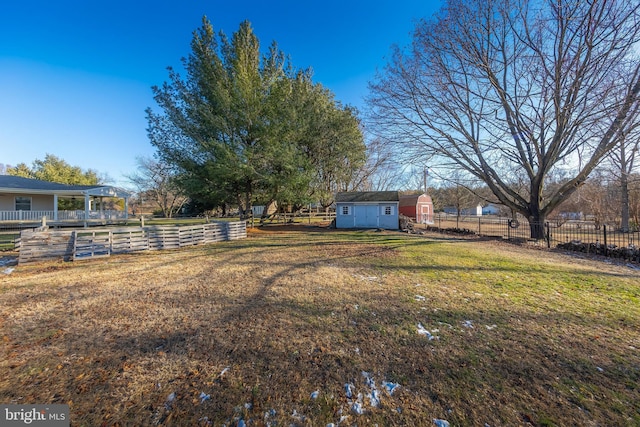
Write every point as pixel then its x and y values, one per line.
pixel 5 261
pixel 368 380
pixel 357 406
pixel 374 398
pixel 169 401
pixel 391 387
pixel 297 416
pixel 423 331
pixel 367 278
pixel 348 390
pixel 267 415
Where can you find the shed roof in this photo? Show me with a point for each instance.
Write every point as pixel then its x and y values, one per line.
pixel 18 184
pixel 412 199
pixel 367 196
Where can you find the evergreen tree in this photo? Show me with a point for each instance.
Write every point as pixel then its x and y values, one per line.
pixel 242 126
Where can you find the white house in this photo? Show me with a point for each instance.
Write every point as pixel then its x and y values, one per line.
pixel 491 209
pixel 25 199
pixel 451 210
pixel 368 209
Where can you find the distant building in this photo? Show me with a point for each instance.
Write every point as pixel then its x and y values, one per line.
pixel 258 210
pixel 418 207
pixel 571 216
pixel 451 210
pixel 491 209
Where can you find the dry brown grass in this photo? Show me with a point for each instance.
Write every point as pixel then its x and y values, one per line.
pixel 523 337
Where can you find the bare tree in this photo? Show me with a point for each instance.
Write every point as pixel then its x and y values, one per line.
pixel 599 198
pixel 380 172
pixel 157 179
pixel 623 164
pixel 515 92
pixel 634 200
pixel 458 197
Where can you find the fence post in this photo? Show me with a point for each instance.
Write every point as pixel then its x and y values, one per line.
pixel 479 218
pixel 604 229
pixel 548 234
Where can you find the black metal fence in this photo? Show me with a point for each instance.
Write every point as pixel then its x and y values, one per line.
pixel 583 236
pixel 607 235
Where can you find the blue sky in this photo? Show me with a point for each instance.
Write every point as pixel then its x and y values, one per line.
pixel 76 76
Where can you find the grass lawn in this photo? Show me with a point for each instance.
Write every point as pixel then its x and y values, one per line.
pixel 306 326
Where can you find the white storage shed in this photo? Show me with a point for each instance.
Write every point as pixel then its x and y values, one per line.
pixel 367 209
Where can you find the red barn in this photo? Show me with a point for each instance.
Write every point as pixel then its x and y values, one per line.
pixel 418 207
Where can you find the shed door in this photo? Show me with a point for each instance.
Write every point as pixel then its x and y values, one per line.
pixel 426 214
pixel 366 216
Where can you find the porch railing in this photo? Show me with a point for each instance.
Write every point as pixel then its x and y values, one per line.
pixel 24 215
pixel 77 215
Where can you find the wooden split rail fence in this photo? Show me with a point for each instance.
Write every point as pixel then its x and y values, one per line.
pixel 94 243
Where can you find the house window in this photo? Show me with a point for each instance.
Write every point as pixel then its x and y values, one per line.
pixel 23 203
pixel 345 210
pixel 388 210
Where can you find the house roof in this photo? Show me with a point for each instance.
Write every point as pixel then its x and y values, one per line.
pixel 19 185
pixel 367 196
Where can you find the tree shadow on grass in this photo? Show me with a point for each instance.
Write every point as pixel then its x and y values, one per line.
pixel 283 339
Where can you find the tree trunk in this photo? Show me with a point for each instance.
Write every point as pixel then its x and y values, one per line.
pixel 624 190
pixel 247 198
pixel 536 216
pixel 241 209
pixel 537 229
pixel 536 225
pixel 265 212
